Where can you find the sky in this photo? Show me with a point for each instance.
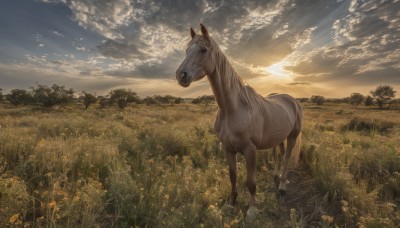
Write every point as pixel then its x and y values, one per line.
pixel 300 47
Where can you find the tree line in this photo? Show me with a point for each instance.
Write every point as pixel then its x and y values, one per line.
pixel 382 96
pixel 49 96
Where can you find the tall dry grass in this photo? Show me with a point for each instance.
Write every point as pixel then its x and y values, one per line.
pixel 162 166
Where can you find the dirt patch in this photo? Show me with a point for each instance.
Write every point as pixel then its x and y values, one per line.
pixel 303 196
pixel 303 205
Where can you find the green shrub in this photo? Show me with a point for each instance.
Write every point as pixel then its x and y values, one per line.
pixel 376 167
pixel 368 126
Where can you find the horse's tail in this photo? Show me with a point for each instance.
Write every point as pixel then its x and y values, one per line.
pixel 296 150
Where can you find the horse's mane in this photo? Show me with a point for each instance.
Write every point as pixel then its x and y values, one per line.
pixel 232 81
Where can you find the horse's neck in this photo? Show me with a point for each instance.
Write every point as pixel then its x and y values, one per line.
pixel 225 90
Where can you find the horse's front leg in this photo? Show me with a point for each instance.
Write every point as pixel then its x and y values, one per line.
pixel 250 157
pixel 231 158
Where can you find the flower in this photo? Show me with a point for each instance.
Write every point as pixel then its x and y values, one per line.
pixel 327 219
pixel 53 205
pixel 41 143
pixel 15 219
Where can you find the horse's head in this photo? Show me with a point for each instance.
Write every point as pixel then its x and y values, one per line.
pixel 198 62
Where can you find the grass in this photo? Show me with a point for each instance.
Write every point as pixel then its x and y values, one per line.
pixel 162 166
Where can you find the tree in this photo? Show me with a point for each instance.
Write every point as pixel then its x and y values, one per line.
pixel 104 101
pixel 179 100
pixel 166 99
pixel 54 95
pixel 19 96
pixel 369 101
pixel 123 97
pixel 356 99
pixel 205 99
pixel 88 99
pixel 196 101
pixel 319 100
pixel 149 101
pixel 383 94
pixel 302 99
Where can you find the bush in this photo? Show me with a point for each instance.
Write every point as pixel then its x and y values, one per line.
pixel 123 97
pixel 368 126
pixel 88 99
pixel 319 100
pixel 356 99
pixel 149 101
pixel 20 96
pixel 383 94
pixel 103 101
pixel 166 99
pixel 54 95
pixel 369 101
pixel 377 167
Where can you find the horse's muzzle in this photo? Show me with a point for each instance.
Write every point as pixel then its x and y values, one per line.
pixel 183 78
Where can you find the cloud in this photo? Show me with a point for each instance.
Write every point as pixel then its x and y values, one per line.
pixel 53 1
pixel 365 51
pixel 57 33
pixel 104 17
pixel 146 33
pixel 325 42
pixel 147 68
pixel 299 83
pixel 150 31
pixel 118 49
pixel 26 75
pixel 81 48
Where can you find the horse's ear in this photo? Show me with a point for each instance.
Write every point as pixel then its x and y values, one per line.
pixel 192 33
pixel 204 31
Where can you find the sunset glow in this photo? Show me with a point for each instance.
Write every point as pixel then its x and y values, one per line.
pixel 277 70
pixel 332 48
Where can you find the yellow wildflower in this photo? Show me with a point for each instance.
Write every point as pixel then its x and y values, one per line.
pixel 52 204
pixel 327 219
pixel 75 199
pixel 41 143
pixel 15 219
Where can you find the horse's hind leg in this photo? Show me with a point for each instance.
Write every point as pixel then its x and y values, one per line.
pixel 277 160
pixel 291 141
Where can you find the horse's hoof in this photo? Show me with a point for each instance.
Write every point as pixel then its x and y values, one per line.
pixel 228 207
pixel 283 186
pixel 251 213
pixel 282 192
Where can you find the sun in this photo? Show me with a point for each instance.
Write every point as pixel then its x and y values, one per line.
pixel 277 70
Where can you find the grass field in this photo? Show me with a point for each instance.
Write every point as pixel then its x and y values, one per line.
pixel 162 166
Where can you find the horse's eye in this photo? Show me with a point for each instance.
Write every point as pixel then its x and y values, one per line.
pixel 203 50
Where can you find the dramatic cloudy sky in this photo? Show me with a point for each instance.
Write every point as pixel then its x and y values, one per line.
pixel 303 47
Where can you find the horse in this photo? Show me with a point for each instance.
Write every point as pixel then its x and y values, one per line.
pixel 245 121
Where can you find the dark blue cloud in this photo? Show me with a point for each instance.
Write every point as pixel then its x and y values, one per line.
pixel 27 27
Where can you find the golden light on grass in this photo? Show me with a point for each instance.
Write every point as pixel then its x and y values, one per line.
pixel 129 166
